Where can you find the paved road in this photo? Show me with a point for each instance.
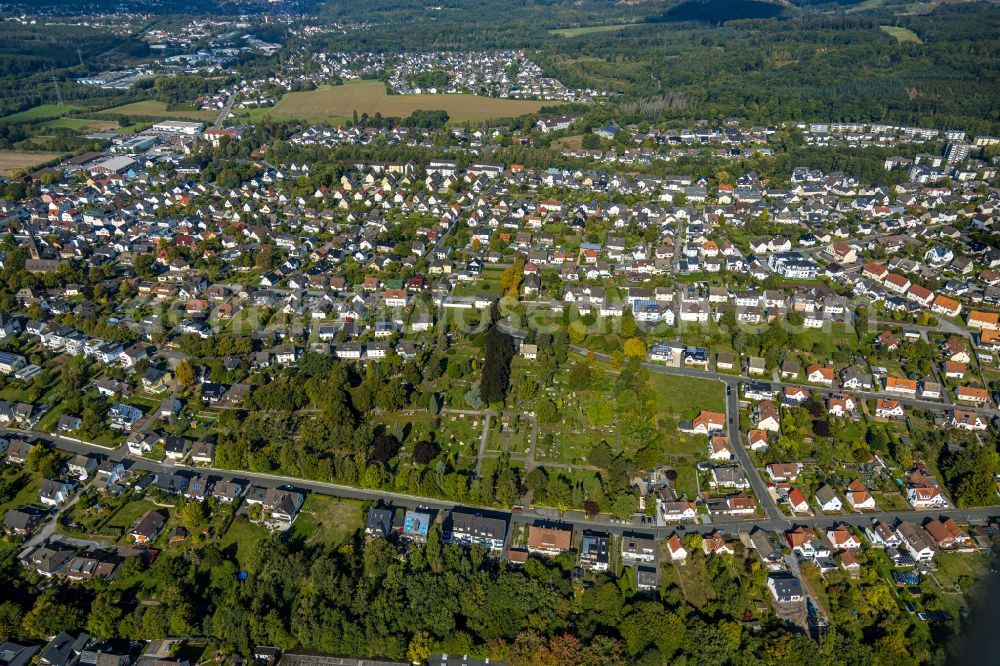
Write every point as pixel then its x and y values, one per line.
pixel 572 518
pixel 49 528
pixel 736 442
pixel 220 122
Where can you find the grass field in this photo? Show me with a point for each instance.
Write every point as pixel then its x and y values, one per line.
pixel 587 29
pixel 41 112
pixel 240 539
pixel 27 484
pixel 327 519
pixel 130 513
pixel 82 124
pixel 158 109
pixel 333 103
pixel 902 35
pixel 677 395
pixel 12 161
pixel 574 142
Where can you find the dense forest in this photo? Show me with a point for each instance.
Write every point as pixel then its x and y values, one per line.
pixel 830 68
pixel 366 599
pixel 811 66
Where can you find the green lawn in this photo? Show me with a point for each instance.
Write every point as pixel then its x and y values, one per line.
pixel 953 566
pixel 891 502
pixel 28 484
pixel 460 432
pixel 41 112
pixel 130 513
pixel 676 395
pixel 240 539
pixel 327 519
pixel 478 288
pixel 408 428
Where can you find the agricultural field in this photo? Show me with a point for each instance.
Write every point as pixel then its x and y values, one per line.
pixel 588 29
pixel 902 35
pixel 338 103
pixel 82 124
pixel 14 161
pixel 40 112
pixel 158 109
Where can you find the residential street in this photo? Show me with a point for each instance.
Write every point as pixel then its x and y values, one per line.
pixel 773 522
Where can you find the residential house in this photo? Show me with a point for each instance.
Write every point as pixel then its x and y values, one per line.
pixel 678 553
pixel 841 405
pixel 784 472
pixel 972 394
pixel 23 521
pixel 917 541
pixel 947 535
pixel 827 499
pixel 47 559
pixel 638 548
pixel 785 588
pixel 417 524
pixel 379 523
pixel 797 501
pixel 729 477
pixel 889 409
pixel 147 527
pixel 594 551
pixel 705 423
pixel 55 492
pixel 546 540
pixel 901 386
pixel 818 374
pixel 757 440
pixel 967 419
pixel 467 527
pixel 719 449
pixel 767 416
pixel 882 535
pixel 716 544
pixel 858 496
pixel 63 650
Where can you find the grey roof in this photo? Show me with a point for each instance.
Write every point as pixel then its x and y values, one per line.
pixel 477 524
pixel 21 519
pixel 786 586
pixel 379 522
pixel 825 494
pixel 15 654
pixel 64 649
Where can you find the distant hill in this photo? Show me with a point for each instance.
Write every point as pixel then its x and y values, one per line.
pixel 718 11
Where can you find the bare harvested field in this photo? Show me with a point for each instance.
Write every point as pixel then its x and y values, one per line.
pixel 331 103
pixel 157 109
pixel 13 161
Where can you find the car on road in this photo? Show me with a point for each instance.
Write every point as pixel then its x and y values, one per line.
pixel 729 389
